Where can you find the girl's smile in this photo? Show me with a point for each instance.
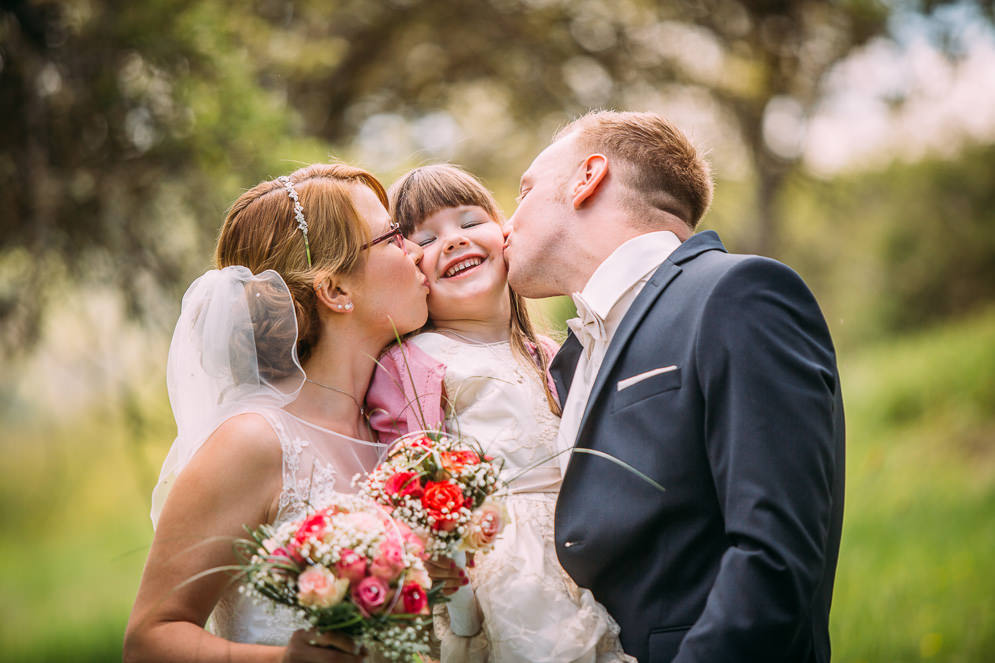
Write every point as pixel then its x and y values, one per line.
pixel 464 262
pixel 461 265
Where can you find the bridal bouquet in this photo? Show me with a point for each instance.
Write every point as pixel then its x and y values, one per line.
pixel 348 567
pixel 442 488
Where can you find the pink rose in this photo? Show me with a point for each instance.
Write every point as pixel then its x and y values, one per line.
pixel 486 522
pixel 317 587
pixel 390 562
pixel 404 483
pixel 399 531
pixel 370 594
pixel 283 555
pixel 414 544
pixel 399 527
pixel 351 565
pixel 413 601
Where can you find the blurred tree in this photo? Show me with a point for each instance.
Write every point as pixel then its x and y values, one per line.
pixel 899 249
pixel 935 235
pixel 129 126
pixel 518 62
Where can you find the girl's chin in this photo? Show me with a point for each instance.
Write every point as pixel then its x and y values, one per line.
pixel 465 292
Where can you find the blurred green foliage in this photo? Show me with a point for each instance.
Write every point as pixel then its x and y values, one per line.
pixel 128 129
pixel 914 580
pixel 895 250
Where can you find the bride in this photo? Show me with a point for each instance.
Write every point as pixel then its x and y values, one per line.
pixel 268 365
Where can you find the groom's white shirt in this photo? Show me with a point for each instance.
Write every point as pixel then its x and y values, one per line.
pixel 601 306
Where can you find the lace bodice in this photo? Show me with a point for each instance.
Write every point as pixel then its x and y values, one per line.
pixel 496 400
pixel 317 465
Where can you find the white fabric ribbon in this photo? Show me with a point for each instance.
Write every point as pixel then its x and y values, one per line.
pixel 588 326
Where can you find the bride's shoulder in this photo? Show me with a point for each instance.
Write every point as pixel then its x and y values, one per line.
pixel 250 437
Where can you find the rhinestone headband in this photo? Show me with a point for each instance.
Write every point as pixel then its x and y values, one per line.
pixel 298 212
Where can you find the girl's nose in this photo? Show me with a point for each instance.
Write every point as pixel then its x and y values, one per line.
pixel 454 242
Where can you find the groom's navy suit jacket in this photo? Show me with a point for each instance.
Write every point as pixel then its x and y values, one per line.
pixel 735 560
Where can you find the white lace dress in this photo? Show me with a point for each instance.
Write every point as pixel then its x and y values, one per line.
pixel 317 464
pixel 533 612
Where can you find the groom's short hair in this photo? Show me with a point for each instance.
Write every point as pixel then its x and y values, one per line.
pixel 662 169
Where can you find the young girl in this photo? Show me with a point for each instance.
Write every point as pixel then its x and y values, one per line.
pixel 479 369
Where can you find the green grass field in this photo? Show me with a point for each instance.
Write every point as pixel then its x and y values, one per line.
pixel 916 578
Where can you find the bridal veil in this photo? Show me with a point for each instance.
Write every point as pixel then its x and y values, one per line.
pixel 234 348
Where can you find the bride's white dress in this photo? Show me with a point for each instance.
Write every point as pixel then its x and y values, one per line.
pixel 233 353
pixel 318 464
pixel 533 612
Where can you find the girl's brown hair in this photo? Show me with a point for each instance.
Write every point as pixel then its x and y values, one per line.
pixel 260 232
pixel 424 191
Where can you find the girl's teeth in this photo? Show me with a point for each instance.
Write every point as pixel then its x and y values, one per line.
pixel 463 266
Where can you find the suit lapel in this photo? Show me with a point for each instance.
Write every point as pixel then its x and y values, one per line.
pixel 664 275
pixel 563 366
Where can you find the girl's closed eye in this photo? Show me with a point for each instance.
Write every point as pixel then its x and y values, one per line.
pixel 422 238
pixel 470 219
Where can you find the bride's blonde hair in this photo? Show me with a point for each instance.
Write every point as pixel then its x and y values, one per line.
pixel 261 232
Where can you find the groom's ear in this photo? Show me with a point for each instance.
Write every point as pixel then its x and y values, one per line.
pixel 590 173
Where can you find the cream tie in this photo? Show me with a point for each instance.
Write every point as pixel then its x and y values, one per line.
pixel 590 330
pixel 588 326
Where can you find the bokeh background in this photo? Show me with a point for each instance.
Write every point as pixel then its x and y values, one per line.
pixel 852 139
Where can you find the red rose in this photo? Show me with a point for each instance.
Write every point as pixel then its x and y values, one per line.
pixel 421 442
pixel 443 501
pixel 404 483
pixel 413 599
pixel 455 461
pixel 312 527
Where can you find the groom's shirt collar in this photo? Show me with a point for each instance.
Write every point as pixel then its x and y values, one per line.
pixel 608 295
pixel 627 265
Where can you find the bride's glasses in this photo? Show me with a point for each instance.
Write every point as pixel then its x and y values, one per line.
pixel 393 235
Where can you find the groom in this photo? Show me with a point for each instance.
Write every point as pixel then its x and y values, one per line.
pixel 713 374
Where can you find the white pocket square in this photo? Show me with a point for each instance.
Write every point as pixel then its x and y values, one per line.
pixel 635 379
